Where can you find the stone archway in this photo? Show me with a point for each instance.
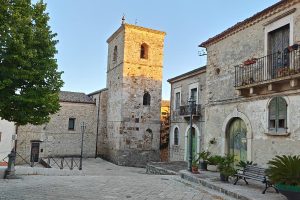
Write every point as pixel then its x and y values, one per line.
pixel 237 114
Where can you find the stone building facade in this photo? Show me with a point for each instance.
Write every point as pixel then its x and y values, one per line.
pixel 184 87
pixel 61 136
pixel 252 101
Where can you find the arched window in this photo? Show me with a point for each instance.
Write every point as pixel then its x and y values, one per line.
pixel 115 55
pixel 144 51
pixel 176 136
pixel 278 115
pixel 146 99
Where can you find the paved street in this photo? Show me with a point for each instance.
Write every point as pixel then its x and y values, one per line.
pixel 103 180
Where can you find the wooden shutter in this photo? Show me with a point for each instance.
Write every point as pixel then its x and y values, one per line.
pixel 282 112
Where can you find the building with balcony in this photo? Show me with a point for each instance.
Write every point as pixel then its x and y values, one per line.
pixel 190 85
pixel 252 86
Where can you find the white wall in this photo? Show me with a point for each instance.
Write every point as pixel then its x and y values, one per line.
pixel 7 129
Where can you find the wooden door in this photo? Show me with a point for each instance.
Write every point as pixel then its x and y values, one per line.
pixel 194 143
pixel 237 139
pixel 35 150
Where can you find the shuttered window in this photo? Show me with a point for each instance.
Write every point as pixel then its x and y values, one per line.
pixel 177 100
pixel 176 136
pixel 278 114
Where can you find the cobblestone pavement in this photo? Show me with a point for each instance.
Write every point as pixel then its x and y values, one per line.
pixel 103 180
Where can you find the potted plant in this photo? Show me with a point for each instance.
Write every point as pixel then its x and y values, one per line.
pixel 195 163
pixel 243 164
pixel 284 173
pixel 226 167
pixel 203 157
pixel 212 163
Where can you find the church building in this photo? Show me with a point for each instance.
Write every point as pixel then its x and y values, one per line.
pixel 123 119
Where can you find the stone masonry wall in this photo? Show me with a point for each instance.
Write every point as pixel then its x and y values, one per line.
pixel 56 139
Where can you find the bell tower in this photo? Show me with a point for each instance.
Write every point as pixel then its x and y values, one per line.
pixel 134 82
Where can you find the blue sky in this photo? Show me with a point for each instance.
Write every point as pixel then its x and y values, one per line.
pixel 84 25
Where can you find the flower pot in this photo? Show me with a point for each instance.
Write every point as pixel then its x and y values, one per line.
pixel 203 165
pixel 290 191
pixel 195 170
pixel 223 178
pixel 212 168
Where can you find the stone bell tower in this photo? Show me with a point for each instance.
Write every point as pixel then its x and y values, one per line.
pixel 134 82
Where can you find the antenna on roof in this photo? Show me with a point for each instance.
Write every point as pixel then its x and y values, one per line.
pixel 202 53
pixel 123 19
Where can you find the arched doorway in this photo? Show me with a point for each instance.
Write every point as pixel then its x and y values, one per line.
pixel 194 143
pixel 237 139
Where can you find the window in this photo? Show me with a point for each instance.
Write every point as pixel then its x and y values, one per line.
pixel 177 100
pixel 146 99
pixel 194 94
pixel 0 136
pixel 176 136
pixel 71 123
pixel 278 115
pixel 144 51
pixel 115 54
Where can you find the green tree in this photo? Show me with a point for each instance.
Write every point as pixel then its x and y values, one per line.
pixel 29 80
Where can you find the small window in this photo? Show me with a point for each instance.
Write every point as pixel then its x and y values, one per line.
pixel 115 55
pixel 278 115
pixel 176 136
pixel 144 51
pixel 146 99
pixel 177 100
pixel 72 124
pixel 0 136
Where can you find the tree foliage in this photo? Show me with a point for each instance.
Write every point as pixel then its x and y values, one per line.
pixel 29 80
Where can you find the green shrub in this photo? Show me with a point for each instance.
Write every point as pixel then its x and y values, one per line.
pixel 204 155
pixel 242 164
pixel 226 165
pixel 284 170
pixel 214 160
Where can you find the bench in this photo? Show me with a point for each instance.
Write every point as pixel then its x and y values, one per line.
pixel 254 173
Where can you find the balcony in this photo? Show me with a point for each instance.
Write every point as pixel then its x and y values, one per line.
pixel 185 111
pixel 275 72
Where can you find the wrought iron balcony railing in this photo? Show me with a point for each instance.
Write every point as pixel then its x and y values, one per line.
pixel 273 66
pixel 185 110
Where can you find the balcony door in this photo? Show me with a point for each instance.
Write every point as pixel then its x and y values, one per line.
pixel 278 41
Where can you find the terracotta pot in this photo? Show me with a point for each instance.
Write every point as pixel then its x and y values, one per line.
pixel 195 170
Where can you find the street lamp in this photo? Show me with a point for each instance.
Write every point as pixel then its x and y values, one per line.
pixel 191 106
pixel 83 127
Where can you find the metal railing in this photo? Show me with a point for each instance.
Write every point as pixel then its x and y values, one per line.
pixel 273 66
pixel 61 162
pixel 185 110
